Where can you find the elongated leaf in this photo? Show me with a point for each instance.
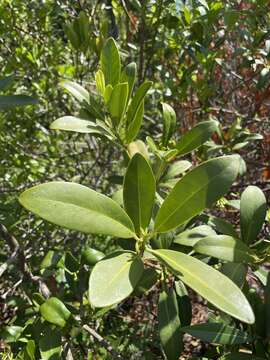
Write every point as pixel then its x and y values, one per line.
pixel 196 137
pixel 191 236
pixel 137 100
pixel 240 356
pixel 77 207
pixel 110 62
pixel 108 93
pixel 147 281
pixel 76 90
pixel 217 333
pixel 224 247
pixel 134 127
pixel 169 324
pixel 184 303
pixel 197 190
pixel 91 256
pixel 139 192
pixel 100 82
pixel 208 282
pixel 236 272
pixel 50 345
pixel 72 123
pixel 177 169
pixel 220 225
pixel 169 123
pixel 252 213
pixel 118 101
pixel 55 312
pixel 114 278
pixel 8 101
pixel 129 75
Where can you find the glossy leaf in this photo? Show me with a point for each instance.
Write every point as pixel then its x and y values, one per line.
pixel 77 207
pixel 208 282
pixel 177 169
pixel 221 225
pixel 135 104
pixel 236 272
pixel 169 123
pixel 217 333
pixel 191 236
pixel 129 75
pixel 184 303
pixel 91 256
pixel 114 278
pixel 147 281
pixel 108 93
pixel 134 127
pixel 72 123
pixel 195 137
pixel 55 312
pixel 252 213
pixel 50 345
pixel 198 189
pixel 169 324
pixel 100 82
pixel 224 247
pixel 118 101
pixel 139 192
pixel 76 90
pixel 110 62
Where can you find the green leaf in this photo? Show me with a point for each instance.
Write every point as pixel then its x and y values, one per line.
pixel 169 324
pixel 224 247
pixel 50 345
pixel 100 82
pixel 267 306
pixel 129 75
pixel 139 192
pixel 135 104
pixel 76 90
pixel 220 225
pixel 29 350
pixel 191 236
pixel 252 213
pixel 240 356
pixel 110 62
pixel 55 312
pixel 11 333
pixel 195 137
pixel 77 207
pixel 184 303
pixel 72 123
pixel 147 281
pixel 177 169
pixel 114 278
pixel 118 101
pixel 169 123
pixel 108 93
pixel 134 127
pixel 198 189
pixel 6 81
pixel 217 333
pixel 91 256
pixel 236 272
pixel 208 282
pixel 9 101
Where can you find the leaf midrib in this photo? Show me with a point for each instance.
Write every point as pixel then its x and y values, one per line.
pixel 89 210
pixel 199 280
pixel 187 199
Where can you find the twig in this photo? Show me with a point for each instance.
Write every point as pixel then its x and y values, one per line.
pixel 103 342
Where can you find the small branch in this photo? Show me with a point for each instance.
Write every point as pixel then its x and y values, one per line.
pixel 103 342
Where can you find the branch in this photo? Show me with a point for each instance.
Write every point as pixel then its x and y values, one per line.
pixel 103 342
